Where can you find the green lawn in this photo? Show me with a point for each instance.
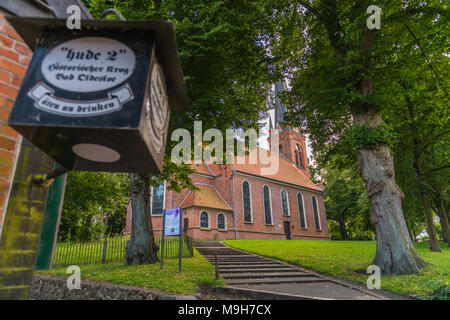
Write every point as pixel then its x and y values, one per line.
pixel 342 258
pixel 68 253
pixel 195 271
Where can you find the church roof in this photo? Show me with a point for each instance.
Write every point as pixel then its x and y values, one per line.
pixel 287 172
pixel 207 197
pixel 202 169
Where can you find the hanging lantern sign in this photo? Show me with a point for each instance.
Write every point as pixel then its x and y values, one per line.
pixel 99 99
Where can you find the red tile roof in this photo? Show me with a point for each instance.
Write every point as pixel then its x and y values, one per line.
pixel 287 172
pixel 207 197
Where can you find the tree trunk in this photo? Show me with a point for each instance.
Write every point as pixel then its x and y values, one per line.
pixel 141 248
pixel 395 253
pixel 443 217
pixel 342 229
pixel 431 229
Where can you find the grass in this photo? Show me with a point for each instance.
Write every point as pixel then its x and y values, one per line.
pixel 68 253
pixel 195 272
pixel 342 258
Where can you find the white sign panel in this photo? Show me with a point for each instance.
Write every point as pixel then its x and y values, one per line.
pixel 172 222
pixel 89 64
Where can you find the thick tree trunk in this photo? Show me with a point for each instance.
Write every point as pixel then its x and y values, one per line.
pixel 342 229
pixel 141 248
pixel 444 220
pixel 395 253
pixel 414 233
pixel 431 229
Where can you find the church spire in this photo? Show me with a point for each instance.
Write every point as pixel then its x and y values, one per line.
pixel 280 108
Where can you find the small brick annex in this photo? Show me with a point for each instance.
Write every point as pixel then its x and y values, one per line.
pixel 15 57
pixel 221 192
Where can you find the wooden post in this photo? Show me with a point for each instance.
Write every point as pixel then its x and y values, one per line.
pixel 181 242
pixel 162 238
pixel 105 247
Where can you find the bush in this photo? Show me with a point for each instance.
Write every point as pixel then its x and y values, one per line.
pixel 441 290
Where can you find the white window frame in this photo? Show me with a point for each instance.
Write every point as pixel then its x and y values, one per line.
pixel 250 198
pixel 304 211
pixel 164 202
pixel 200 220
pixel 318 212
pixel 287 200
pixel 225 219
pixel 264 209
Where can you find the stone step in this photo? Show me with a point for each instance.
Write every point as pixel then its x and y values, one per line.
pixel 275 281
pixel 261 262
pixel 271 275
pixel 208 244
pixel 256 270
pixel 218 251
pixel 233 266
pixel 237 260
pixel 232 256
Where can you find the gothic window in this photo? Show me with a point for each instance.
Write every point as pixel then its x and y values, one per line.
pixel 301 211
pixel 158 195
pixel 284 202
pixel 267 206
pixel 221 225
pixel 204 220
pixel 299 157
pixel 316 213
pixel 246 196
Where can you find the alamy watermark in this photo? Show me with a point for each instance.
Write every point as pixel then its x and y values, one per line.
pixel 213 152
pixel 74 19
pixel 374 20
pixel 374 281
pixel 74 281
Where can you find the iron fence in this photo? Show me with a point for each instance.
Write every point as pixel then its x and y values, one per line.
pixel 112 250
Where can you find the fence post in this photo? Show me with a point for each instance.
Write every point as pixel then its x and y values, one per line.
pixel 105 246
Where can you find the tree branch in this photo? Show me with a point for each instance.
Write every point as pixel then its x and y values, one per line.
pixel 426 58
pixel 436 169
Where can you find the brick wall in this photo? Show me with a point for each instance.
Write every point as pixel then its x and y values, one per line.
pixel 259 230
pixel 14 60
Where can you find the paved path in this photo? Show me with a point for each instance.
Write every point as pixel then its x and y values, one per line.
pixel 240 269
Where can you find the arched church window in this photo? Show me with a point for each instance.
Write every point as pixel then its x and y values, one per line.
pixel 246 197
pixel 301 210
pixel 316 213
pixel 299 157
pixel 204 220
pixel 267 205
pixel 284 202
pixel 221 221
pixel 158 195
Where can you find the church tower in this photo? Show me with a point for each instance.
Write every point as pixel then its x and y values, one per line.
pixel 292 141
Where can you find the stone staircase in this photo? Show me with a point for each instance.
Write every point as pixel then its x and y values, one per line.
pixel 240 268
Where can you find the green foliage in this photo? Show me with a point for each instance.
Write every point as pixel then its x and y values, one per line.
pixel 342 259
pixel 365 137
pixel 347 206
pixel 440 290
pixel 224 48
pixel 95 205
pixel 196 271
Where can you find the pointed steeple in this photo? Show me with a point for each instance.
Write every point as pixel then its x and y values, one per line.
pixel 271 127
pixel 280 108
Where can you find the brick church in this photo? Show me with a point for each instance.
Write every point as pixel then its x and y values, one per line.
pixel 237 202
